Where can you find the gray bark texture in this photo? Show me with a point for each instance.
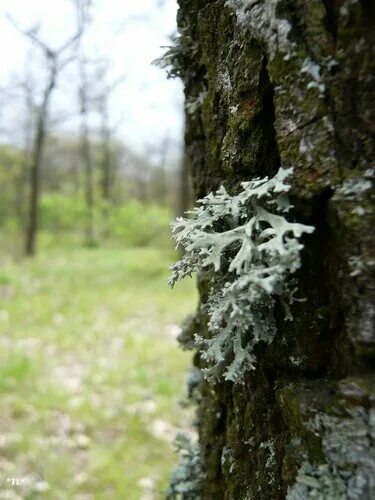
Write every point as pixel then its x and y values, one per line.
pixel 291 83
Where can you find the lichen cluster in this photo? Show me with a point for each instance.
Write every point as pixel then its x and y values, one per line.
pixel 261 18
pixel 177 57
pixel 186 478
pixel 318 482
pixel 348 448
pixel 249 250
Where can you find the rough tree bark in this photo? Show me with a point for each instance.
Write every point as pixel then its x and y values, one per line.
pixel 291 83
pixel 184 197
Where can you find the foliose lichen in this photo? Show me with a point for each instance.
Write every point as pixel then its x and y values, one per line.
pixel 263 21
pixel 187 476
pixel 347 443
pixel 249 250
pixel 177 57
pixel 320 482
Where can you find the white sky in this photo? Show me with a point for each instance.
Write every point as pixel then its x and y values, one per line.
pixel 127 32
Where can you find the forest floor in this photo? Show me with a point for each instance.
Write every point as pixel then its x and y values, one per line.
pixel 91 376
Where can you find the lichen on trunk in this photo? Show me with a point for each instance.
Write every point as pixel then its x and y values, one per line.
pixel 272 84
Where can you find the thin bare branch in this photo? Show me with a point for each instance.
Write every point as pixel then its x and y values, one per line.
pixel 32 35
pixel 49 53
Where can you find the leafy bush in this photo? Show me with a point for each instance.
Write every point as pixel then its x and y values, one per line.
pixel 60 212
pixel 137 224
pixel 133 224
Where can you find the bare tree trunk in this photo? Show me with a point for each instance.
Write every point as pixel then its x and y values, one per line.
pixel 23 178
pixel 75 172
pixel 83 20
pixel 86 155
pixel 21 186
pixel 35 189
pixel 106 165
pixel 106 161
pixel 36 160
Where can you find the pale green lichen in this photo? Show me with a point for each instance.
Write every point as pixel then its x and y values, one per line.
pixel 320 482
pixel 262 18
pixel 227 460
pixel 355 188
pixel 271 459
pixel 177 57
pixel 347 443
pixel 247 237
pixel 187 476
pixel 173 58
pixel 195 103
pixel 193 381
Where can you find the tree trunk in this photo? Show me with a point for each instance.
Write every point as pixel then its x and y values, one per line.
pixel 22 182
pixel 106 181
pixel 33 211
pixel 36 159
pixel 106 161
pixel 291 83
pixel 184 188
pixel 89 182
pixel 86 155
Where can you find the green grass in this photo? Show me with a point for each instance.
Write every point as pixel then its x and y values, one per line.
pixel 90 374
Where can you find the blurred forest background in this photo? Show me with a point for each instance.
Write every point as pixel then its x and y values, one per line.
pixel 91 173
pixel 79 158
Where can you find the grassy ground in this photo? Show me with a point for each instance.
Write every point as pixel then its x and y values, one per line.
pixel 90 374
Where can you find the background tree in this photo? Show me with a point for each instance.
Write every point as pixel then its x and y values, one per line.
pixel 85 149
pixel 28 90
pixel 85 106
pixel 289 83
pixel 55 61
pixel 104 89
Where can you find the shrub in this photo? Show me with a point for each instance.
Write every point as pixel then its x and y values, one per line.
pixel 137 224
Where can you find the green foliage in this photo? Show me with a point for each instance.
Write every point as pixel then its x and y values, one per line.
pixel 133 224
pixel 137 224
pixel 61 212
pixel 11 170
pixel 5 277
